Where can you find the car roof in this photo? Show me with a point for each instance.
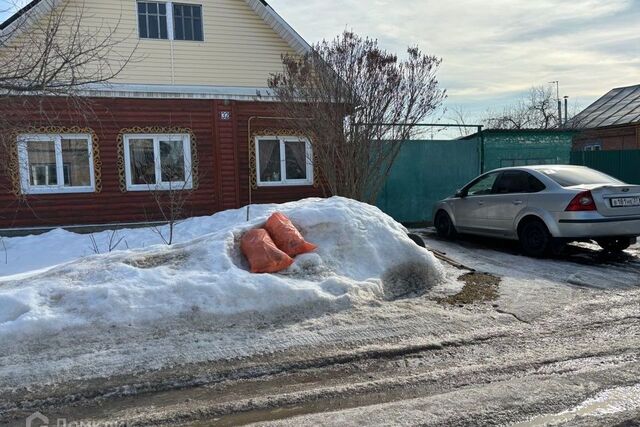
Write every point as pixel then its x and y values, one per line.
pixel 540 167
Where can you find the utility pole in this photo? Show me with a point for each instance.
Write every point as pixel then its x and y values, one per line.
pixel 566 110
pixel 557 83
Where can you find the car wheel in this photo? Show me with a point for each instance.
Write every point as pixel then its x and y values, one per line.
pixel 444 225
pixel 615 244
pixel 535 239
pixel 417 240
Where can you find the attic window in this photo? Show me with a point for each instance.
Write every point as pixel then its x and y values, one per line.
pixel 152 20
pixel 187 22
pixel 170 21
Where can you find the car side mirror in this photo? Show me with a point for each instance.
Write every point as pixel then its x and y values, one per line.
pixel 461 194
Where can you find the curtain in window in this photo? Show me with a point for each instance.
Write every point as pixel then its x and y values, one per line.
pixel 42 160
pixel 296 159
pixel 142 162
pixel 172 161
pixel 269 159
pixel 75 160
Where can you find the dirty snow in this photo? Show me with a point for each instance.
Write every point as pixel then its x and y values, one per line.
pixel 363 255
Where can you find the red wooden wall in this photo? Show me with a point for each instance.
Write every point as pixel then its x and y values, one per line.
pixel 614 138
pixel 222 151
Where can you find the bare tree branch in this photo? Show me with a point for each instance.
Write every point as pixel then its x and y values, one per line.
pixel 47 59
pixel 358 104
pixel 538 110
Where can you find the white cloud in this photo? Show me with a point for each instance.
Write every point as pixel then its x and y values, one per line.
pixel 493 51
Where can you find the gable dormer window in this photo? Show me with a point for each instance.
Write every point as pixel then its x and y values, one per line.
pixel 170 21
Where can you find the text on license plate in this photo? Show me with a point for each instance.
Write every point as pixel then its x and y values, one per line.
pixel 625 202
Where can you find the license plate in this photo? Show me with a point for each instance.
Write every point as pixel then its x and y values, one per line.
pixel 625 202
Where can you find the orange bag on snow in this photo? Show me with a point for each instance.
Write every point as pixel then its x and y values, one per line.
pixel 263 255
pixel 286 236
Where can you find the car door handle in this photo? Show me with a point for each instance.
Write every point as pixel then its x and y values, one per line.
pixel 517 202
pixel 481 203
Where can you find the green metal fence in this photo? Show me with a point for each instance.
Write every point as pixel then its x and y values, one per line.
pixel 504 148
pixel 624 165
pixel 426 172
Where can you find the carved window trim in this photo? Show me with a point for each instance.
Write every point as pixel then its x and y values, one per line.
pixel 156 130
pixel 14 165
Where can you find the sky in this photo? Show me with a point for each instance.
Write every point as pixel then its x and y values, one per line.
pixel 493 51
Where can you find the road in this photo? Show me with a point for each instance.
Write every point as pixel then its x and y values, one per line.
pixel 557 345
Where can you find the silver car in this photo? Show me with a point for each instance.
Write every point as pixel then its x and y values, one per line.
pixel 544 207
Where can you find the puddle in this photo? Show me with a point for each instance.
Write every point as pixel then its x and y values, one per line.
pixel 608 402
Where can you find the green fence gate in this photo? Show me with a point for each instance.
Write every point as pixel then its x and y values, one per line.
pixel 426 172
pixel 624 165
pixel 505 148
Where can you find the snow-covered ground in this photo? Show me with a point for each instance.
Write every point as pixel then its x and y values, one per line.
pixel 547 343
pixel 362 255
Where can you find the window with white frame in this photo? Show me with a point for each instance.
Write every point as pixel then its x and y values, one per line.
pixel 158 162
pixel 593 147
pixel 164 20
pixel 56 163
pixel 283 160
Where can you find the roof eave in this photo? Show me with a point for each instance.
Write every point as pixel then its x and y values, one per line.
pixel 17 22
pixel 280 26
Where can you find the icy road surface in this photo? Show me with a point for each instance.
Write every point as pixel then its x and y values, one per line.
pixel 562 337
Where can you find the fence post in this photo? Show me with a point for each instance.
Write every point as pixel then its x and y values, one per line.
pixel 481 155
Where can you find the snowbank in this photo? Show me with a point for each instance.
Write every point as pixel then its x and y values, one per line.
pixel 362 254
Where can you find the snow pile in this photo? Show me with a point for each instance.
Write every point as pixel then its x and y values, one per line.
pixel 363 255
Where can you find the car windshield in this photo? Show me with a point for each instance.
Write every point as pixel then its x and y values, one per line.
pixel 578 176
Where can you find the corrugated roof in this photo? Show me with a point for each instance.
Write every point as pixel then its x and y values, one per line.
pixel 619 107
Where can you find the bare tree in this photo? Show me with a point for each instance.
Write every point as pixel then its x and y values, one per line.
pixel 460 117
pixel 170 200
pixel 358 104
pixel 52 53
pixel 537 110
pixel 112 244
pixel 55 53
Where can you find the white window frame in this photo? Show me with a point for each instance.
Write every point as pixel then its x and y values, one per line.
pixel 59 188
pixel 284 182
pixel 593 147
pixel 159 184
pixel 171 23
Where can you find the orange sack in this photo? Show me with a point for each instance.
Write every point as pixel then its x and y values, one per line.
pixel 286 236
pixel 263 255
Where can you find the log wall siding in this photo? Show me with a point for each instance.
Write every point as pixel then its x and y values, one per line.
pixel 614 138
pixel 222 152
